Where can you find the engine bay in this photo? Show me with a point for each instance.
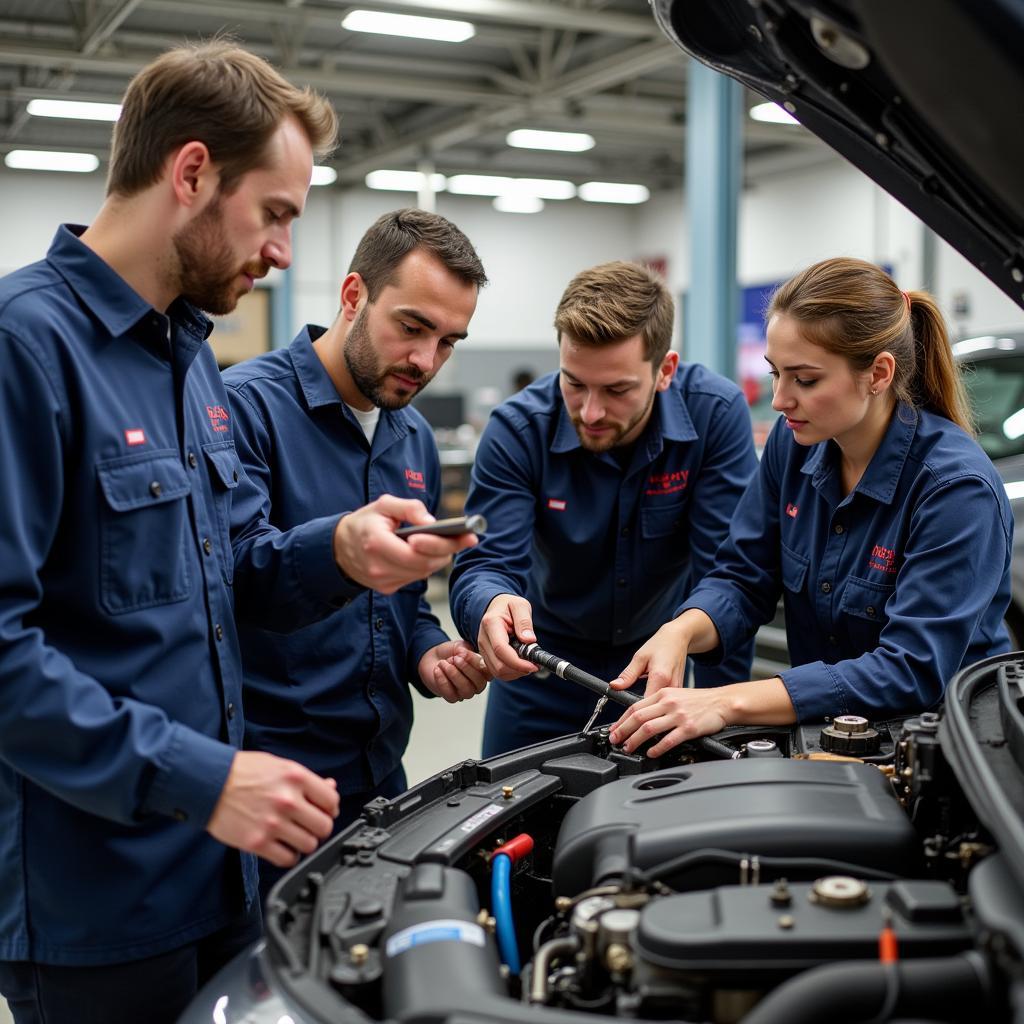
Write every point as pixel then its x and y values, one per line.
pixel 830 870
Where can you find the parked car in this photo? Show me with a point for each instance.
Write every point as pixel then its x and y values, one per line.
pixel 839 871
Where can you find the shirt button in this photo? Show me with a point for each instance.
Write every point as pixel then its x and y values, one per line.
pixel 624 531
pixel 832 639
pixel 826 587
pixel 218 631
pixel 179 814
pixel 378 624
pixel 192 460
pixel 870 610
pixel 230 711
pixel 620 582
pixel 155 489
pixel 838 528
pixel 207 546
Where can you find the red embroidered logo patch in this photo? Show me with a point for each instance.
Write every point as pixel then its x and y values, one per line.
pixel 882 559
pixel 134 436
pixel 414 479
pixel 556 504
pixel 218 418
pixel 667 483
pixel 791 510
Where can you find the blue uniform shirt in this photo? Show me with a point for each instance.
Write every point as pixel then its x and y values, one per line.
pixel 603 553
pixel 121 707
pixel 334 695
pixel 889 590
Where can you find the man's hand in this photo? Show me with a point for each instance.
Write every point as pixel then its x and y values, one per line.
pixel 367 550
pixel 274 808
pixel 663 658
pixel 675 715
pixel 454 671
pixel 506 615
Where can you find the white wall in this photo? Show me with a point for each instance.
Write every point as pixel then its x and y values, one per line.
pixel 786 221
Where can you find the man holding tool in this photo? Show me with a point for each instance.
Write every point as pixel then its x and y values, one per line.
pixel 607 487
pixel 323 425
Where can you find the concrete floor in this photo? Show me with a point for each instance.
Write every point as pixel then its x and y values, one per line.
pixel 443 734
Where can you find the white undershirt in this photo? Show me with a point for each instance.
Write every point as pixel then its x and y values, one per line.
pixel 367 420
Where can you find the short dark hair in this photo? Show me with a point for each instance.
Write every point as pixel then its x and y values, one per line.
pixel 615 301
pixel 392 237
pixel 215 93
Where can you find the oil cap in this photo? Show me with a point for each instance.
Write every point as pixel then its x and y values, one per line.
pixel 851 735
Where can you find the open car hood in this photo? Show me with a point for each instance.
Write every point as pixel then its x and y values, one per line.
pixel 926 97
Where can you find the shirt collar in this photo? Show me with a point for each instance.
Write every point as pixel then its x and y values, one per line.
pixel 317 387
pixel 670 421
pixel 882 475
pixel 106 294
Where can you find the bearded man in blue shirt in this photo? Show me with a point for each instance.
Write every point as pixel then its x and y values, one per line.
pixel 129 535
pixel 607 488
pixel 324 424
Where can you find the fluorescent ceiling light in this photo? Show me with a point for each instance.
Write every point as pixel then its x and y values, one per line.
pixel 613 192
pixel 323 175
pixel 479 184
pixel 1014 489
pixel 565 142
pixel 773 113
pixel 402 181
pixel 443 29
pixel 40 160
pixel 78 110
pixel 514 203
pixel 542 188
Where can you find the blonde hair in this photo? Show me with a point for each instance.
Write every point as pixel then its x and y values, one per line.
pixel 854 309
pixel 614 301
pixel 215 93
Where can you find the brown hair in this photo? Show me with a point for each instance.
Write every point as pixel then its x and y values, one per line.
pixel 394 235
pixel 854 309
pixel 615 301
pixel 215 93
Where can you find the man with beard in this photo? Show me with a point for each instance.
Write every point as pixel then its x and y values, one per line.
pixel 129 535
pixel 324 424
pixel 607 488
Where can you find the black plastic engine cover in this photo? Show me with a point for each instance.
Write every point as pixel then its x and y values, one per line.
pixel 806 810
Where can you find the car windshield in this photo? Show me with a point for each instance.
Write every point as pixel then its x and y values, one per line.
pixel 996 390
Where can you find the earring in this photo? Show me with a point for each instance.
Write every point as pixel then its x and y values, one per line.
pixel 874 391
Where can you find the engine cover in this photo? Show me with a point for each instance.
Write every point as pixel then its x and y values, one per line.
pixel 803 811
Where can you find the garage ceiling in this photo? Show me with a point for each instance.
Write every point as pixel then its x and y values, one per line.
pixel 597 66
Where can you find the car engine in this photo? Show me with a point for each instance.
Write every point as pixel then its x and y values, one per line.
pixel 839 871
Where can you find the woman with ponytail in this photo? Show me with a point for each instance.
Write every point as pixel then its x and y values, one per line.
pixel 874 514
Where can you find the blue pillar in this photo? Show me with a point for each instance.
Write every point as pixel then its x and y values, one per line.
pixel 713 176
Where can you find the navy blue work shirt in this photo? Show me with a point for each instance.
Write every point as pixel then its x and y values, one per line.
pixel 334 695
pixel 888 590
pixel 125 518
pixel 603 552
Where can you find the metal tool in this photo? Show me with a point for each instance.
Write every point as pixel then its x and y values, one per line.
pixel 564 670
pixel 601 701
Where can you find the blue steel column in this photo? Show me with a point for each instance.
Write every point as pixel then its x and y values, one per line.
pixel 713 175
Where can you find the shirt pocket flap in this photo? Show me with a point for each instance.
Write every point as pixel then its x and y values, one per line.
pixel 864 599
pixel 133 482
pixel 794 570
pixel 661 522
pixel 224 463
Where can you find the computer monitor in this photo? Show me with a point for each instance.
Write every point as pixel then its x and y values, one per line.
pixel 442 411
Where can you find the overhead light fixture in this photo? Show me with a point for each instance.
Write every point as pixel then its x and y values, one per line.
pixel 613 192
pixel 542 188
pixel 77 110
pixel 42 160
pixel 565 142
pixel 403 181
pixel 479 184
pixel 444 30
pixel 515 203
pixel 773 113
pixel 323 175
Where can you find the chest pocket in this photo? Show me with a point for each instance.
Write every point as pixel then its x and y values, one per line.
pixel 143 531
pixel 665 542
pixel 863 610
pixel 794 570
pixel 225 471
